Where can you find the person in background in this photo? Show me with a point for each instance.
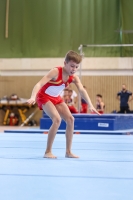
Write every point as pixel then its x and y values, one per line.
pixel 65 93
pixel 73 96
pixel 84 105
pixel 70 102
pixel 124 96
pixel 100 106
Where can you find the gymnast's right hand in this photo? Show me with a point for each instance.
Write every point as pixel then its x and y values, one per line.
pixel 31 101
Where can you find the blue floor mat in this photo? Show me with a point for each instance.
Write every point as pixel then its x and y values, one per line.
pixel 104 170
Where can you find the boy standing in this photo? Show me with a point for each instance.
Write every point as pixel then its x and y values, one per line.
pixel 47 95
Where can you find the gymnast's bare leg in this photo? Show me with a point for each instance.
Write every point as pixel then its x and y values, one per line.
pixel 52 112
pixel 69 119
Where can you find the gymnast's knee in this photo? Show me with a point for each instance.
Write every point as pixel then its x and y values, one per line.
pixel 70 120
pixel 56 120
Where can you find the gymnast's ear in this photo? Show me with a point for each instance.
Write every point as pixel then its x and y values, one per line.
pixel 65 62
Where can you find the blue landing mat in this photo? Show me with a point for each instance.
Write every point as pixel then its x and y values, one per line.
pixel 104 170
pixel 107 122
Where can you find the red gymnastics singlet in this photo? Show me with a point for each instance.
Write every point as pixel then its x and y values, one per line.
pixel 51 91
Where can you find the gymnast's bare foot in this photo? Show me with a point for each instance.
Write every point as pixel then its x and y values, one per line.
pixel 70 155
pixel 49 155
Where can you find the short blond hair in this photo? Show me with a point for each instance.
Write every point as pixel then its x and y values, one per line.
pixel 74 56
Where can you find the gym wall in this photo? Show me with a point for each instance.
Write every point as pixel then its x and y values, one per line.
pixel 108 86
pixel 49 28
pixel 41 32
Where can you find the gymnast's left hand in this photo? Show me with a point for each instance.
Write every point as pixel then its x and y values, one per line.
pixel 31 101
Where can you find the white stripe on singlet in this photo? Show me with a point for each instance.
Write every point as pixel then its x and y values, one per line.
pixel 55 91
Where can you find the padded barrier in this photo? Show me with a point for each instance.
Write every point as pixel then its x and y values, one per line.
pixel 94 122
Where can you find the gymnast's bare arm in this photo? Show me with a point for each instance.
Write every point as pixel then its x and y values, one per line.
pixel 52 75
pixel 102 106
pixel 84 94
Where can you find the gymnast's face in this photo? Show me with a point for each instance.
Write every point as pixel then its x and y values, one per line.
pixel 71 67
pixel 98 99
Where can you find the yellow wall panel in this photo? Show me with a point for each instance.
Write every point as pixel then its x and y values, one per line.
pixel 108 86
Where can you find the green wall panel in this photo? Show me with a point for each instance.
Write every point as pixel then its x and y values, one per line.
pixel 127 26
pixel 49 28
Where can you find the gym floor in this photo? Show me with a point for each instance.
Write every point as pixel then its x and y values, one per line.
pixel 104 170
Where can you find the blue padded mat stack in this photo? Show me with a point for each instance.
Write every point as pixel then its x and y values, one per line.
pixel 94 122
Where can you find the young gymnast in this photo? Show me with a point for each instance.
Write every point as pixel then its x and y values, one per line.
pixel 46 93
pixel 100 106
